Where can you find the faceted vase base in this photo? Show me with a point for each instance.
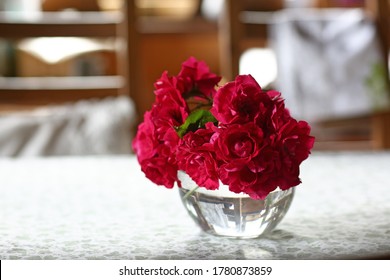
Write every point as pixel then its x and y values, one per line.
pixel 236 215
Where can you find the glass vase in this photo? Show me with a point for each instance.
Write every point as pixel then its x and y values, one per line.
pixel 224 213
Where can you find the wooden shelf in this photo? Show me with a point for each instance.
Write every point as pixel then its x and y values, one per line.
pixel 161 25
pixel 88 24
pixel 36 90
pixel 93 24
pixel 57 83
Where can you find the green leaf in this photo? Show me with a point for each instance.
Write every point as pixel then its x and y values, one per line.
pixel 197 119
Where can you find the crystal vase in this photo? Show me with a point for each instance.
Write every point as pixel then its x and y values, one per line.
pixel 224 213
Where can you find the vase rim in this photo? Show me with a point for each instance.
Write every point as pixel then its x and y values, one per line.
pixel 223 191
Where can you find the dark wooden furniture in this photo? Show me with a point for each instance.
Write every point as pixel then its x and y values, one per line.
pixel 19 92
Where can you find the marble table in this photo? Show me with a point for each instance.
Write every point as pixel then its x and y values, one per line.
pixel 104 208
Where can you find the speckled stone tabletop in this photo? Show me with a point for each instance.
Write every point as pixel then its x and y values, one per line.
pixel 104 208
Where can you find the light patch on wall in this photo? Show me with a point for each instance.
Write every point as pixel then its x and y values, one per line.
pixel 261 64
pixel 55 49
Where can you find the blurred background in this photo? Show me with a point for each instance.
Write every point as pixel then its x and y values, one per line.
pixel 76 77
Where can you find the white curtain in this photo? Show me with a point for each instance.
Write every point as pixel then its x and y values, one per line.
pixel 325 58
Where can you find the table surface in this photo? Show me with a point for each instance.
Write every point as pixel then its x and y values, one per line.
pixel 104 208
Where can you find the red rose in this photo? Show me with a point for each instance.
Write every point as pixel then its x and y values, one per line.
pixel 144 143
pixel 238 142
pixel 167 88
pixel 196 157
pixel 154 154
pixel 165 83
pixel 237 146
pixel 272 113
pixel 196 74
pixel 160 170
pixel 294 143
pixel 167 114
pixel 156 140
pixel 257 178
pixel 240 101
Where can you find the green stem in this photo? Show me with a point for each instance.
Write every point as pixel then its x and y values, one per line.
pixel 190 192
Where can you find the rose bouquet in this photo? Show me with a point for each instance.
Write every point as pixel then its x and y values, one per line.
pixel 237 134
